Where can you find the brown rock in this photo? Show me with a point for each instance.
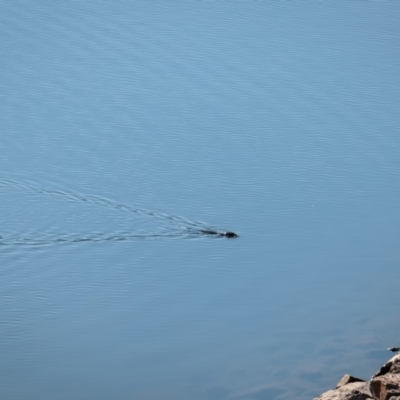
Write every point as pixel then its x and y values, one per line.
pixel 392 366
pixel 348 379
pixel 350 391
pixel 385 387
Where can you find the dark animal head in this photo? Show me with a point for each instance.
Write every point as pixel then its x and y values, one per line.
pixel 231 235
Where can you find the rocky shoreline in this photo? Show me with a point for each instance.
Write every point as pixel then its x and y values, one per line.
pixel 384 385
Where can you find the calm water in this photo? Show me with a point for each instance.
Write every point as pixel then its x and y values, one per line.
pixel 127 127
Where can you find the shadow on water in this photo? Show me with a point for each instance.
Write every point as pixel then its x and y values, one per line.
pixel 168 226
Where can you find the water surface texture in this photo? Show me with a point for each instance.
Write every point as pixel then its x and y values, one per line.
pixel 127 128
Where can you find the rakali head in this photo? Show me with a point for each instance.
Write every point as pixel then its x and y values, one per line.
pixel 231 235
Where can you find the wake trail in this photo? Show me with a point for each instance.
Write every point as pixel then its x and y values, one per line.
pixel 178 227
pixel 99 201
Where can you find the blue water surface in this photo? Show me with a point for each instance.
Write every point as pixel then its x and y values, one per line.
pixel 130 126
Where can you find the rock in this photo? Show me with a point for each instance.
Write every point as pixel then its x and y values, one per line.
pixel 394 349
pixel 348 379
pixel 385 387
pixel 350 391
pixel 392 366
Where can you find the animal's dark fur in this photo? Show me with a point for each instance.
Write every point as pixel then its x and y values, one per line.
pixel 229 235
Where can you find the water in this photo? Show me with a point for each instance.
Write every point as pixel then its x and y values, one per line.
pixel 127 128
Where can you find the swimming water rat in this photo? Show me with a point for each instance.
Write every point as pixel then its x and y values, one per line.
pixel 229 235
